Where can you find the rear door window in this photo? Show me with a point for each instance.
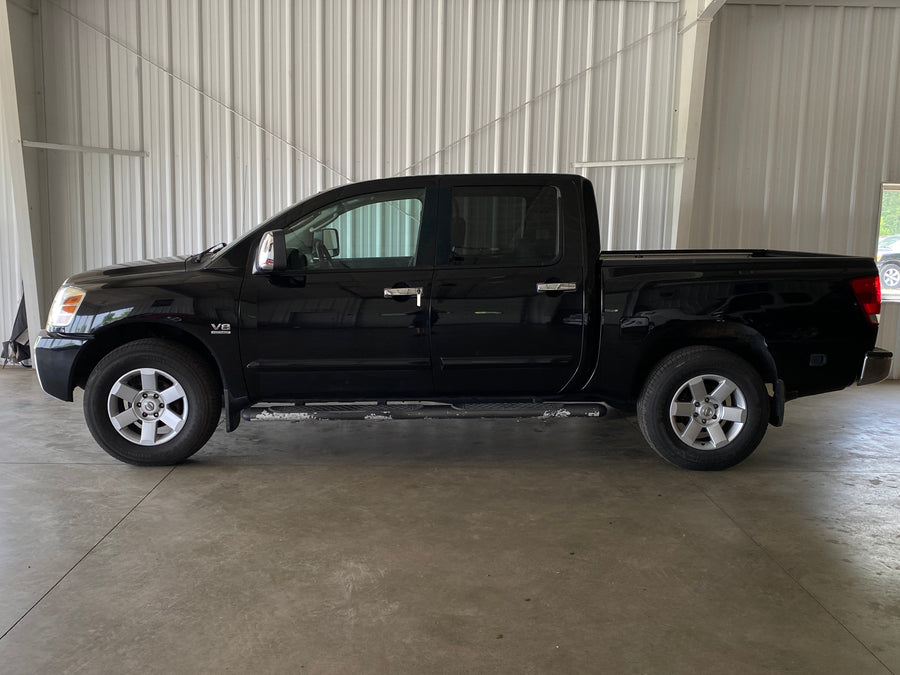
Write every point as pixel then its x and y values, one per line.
pixel 501 226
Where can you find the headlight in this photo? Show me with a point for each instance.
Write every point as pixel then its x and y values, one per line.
pixel 65 306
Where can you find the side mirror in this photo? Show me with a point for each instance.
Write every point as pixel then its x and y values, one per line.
pixel 331 240
pixel 271 254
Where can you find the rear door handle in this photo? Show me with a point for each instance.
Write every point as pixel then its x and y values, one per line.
pixel 401 292
pixel 556 286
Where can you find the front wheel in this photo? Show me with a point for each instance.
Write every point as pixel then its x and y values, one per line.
pixel 151 402
pixel 703 408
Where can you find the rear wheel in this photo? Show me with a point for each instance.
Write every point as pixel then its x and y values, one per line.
pixel 151 402
pixel 703 408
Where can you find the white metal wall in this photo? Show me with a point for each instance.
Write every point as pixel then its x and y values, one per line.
pixel 246 106
pixel 801 125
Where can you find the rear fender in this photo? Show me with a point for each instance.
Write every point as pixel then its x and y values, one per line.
pixel 742 340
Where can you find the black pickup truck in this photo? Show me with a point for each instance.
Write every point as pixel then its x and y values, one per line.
pixel 450 296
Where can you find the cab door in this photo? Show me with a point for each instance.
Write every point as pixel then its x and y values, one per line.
pixel 508 297
pixel 349 317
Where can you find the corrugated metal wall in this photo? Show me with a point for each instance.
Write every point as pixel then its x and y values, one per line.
pixel 247 106
pixel 798 127
pixel 801 125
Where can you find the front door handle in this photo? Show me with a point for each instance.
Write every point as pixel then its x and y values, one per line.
pixel 401 292
pixel 556 287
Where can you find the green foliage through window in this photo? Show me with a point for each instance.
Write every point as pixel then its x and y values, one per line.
pixel 890 211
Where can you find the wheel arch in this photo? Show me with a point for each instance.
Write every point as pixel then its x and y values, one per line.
pixel 739 339
pixel 106 340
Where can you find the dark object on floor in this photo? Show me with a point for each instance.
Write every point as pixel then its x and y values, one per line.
pixel 16 349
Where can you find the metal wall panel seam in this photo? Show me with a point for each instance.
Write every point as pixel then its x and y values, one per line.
pixel 379 90
pixel 202 235
pixel 645 128
pixel 79 136
pixel 865 67
pixel 259 195
pixel 470 85
pixel 829 133
pixel 803 118
pixel 617 104
pixel 320 92
pixel 290 130
pixel 233 120
pixel 173 153
pixel 775 88
pixel 439 85
pixel 142 172
pixel 411 44
pixel 589 79
pixel 111 132
pixel 350 75
pixel 529 85
pixel 498 82
pixel 557 109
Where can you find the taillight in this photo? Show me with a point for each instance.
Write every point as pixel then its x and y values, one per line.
pixel 868 294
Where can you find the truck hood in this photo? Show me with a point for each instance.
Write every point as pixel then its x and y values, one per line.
pixel 139 267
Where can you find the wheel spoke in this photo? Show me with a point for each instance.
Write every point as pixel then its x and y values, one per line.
pixel 171 420
pixel 123 391
pixel 148 379
pixel 724 390
pixel 698 389
pixel 691 431
pixel 716 435
pixel 733 414
pixel 148 432
pixel 172 394
pixel 681 409
pixel 124 418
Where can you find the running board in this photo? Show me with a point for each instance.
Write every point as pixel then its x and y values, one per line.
pixel 406 411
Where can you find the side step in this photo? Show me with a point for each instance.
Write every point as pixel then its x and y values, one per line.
pixel 406 411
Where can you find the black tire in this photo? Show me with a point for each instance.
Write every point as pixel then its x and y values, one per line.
pixel 703 408
pixel 167 385
pixel 890 276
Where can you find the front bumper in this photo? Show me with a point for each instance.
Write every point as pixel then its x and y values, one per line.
pixel 54 360
pixel 876 366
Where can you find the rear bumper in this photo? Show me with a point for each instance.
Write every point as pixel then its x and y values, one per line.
pixel 54 360
pixel 876 366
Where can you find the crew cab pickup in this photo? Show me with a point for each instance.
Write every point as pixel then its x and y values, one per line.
pixel 447 296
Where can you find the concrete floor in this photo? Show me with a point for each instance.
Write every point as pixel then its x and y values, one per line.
pixel 556 546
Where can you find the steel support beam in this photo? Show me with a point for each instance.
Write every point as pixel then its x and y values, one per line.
pixel 693 49
pixel 11 136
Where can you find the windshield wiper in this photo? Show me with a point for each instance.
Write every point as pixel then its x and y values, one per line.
pixel 212 249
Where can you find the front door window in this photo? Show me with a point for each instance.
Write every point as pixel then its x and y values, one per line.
pixel 374 231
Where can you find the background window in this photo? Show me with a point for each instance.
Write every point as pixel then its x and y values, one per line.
pixel 888 254
pixel 498 226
